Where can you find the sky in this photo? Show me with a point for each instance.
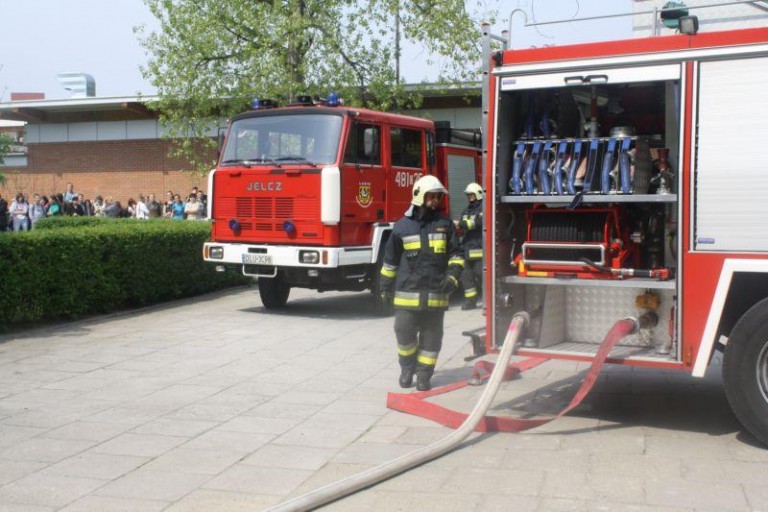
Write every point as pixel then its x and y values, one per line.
pixel 41 38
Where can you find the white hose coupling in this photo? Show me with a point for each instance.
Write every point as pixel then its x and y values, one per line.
pixel 525 317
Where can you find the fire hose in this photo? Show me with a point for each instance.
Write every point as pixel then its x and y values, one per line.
pixel 354 483
pixel 656 273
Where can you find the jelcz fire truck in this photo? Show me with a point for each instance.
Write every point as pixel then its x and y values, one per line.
pixel 306 195
pixel 629 177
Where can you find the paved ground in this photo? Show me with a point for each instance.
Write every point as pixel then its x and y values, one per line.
pixel 214 404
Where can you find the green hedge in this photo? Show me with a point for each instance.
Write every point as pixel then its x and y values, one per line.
pixel 73 267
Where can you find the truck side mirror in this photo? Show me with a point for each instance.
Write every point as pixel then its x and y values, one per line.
pixel 370 144
pixel 221 135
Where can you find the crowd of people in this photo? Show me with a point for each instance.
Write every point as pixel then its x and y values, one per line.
pixel 22 212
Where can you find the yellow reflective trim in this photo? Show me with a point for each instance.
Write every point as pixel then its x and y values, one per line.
pixel 439 246
pixel 471 292
pixel 470 223
pixel 456 260
pixel 388 273
pixel 475 254
pixel 429 361
pixel 400 301
pixel 437 303
pixel 412 246
pixel 405 352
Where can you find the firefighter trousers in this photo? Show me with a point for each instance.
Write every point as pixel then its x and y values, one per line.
pixel 471 279
pixel 419 339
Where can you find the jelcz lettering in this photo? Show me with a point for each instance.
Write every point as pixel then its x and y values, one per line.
pixel 265 186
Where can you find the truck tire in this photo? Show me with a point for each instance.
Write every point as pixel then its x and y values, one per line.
pixel 745 370
pixel 274 292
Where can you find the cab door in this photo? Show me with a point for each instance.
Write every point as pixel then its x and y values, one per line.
pixel 362 182
pixel 408 161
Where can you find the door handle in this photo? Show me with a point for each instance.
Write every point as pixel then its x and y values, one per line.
pixel 589 79
pixel 573 80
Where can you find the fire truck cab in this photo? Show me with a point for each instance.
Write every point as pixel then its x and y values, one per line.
pixel 627 177
pixel 306 195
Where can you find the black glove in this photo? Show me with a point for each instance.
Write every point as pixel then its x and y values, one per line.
pixel 448 284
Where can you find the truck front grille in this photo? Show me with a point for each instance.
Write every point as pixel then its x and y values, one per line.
pixel 267 213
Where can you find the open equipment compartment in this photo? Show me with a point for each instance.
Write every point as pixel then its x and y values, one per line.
pixel 587 207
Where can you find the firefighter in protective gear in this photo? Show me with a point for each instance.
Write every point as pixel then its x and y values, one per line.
pixel 471 224
pixel 421 267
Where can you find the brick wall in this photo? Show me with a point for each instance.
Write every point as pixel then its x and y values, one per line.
pixel 122 169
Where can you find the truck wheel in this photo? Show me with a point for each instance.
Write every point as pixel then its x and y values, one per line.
pixel 745 370
pixel 274 292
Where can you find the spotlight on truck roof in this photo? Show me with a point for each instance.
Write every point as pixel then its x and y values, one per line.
pixel 304 99
pixel 689 25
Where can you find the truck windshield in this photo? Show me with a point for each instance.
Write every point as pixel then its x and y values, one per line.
pixel 310 138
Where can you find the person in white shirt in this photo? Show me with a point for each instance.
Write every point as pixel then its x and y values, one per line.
pixel 142 212
pixel 37 210
pixel 193 209
pixel 70 193
pixel 19 213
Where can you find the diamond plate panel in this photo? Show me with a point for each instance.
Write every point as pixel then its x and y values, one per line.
pixel 553 321
pixel 591 311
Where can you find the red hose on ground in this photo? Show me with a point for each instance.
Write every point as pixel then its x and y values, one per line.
pixel 416 404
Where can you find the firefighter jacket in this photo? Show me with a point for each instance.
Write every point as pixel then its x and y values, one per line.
pixel 471 223
pixel 419 255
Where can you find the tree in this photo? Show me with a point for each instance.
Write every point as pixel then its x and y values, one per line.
pixel 210 58
pixel 5 146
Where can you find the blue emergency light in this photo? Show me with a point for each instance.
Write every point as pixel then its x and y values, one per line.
pixel 258 104
pixel 289 227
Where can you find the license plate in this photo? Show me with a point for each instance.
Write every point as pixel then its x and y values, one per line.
pixel 257 259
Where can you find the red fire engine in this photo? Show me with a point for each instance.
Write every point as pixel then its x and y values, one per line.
pixel 625 178
pixel 306 195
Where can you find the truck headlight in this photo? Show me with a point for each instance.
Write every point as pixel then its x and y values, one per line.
pixel 309 257
pixel 216 253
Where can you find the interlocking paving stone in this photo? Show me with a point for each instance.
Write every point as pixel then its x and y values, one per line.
pixel 48 490
pixel 290 457
pixel 205 500
pixel 697 495
pixel 201 462
pixel 96 465
pixel 242 442
pixel 140 445
pixel 104 503
pixel 160 410
pixel 258 480
pixel 152 485
pixel 11 470
pixel 45 449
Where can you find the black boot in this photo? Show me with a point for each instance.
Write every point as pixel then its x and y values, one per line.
pixel 422 381
pixel 406 377
pixel 469 304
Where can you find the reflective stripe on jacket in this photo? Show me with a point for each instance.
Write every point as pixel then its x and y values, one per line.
pixel 419 254
pixel 471 223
